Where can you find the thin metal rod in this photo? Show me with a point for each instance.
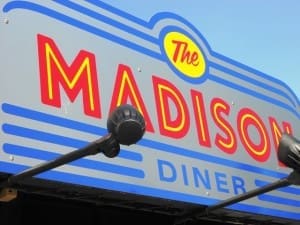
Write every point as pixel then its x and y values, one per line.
pixel 91 149
pixel 272 186
pixel 199 213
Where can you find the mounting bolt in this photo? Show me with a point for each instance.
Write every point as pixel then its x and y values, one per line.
pixel 6 21
pixel 232 103
pixel 11 158
pixel 207 193
pixel 139 69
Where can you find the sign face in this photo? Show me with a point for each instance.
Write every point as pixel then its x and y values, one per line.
pixel 212 123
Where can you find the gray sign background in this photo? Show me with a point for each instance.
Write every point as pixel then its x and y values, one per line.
pixel 157 166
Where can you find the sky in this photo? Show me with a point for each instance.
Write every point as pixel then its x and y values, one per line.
pixel 262 34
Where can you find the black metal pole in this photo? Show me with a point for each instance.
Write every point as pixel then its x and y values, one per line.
pixel 91 149
pixel 126 126
pixel 272 186
pixel 200 213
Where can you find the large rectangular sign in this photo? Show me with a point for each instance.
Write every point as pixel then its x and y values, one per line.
pixel 212 123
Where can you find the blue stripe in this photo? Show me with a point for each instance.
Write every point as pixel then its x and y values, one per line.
pixel 146 191
pixel 67 123
pixel 257 73
pixel 19 111
pixel 130 155
pixel 279 200
pixel 208 158
pixel 85 163
pixel 240 76
pixel 253 93
pixel 98 32
pixel 119 12
pixel 55 139
pixel 164 194
pixel 252 81
pixel 108 184
pixel 43 136
pixel 12 168
pixel 51 119
pixel 290 190
pixel 106 20
pixel 83 26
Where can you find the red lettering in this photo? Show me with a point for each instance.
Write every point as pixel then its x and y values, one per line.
pixel 126 90
pixel 174 120
pixel 200 117
pixel 246 120
pixel 184 55
pixel 172 110
pixel 228 143
pixel 81 75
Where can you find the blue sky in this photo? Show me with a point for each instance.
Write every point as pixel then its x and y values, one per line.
pixel 262 34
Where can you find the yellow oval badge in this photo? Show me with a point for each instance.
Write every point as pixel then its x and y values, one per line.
pixel 184 54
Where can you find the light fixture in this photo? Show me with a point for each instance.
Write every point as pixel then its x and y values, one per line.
pixel 126 126
pixel 288 153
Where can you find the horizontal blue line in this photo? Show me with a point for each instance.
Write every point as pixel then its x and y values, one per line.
pixel 107 184
pixel 145 191
pixel 51 119
pixel 257 73
pixel 131 45
pixel 67 123
pixel 42 136
pixel 56 139
pixel 106 20
pixel 70 142
pixel 253 93
pixel 163 15
pixel 252 81
pixel 83 26
pixel 27 113
pixel 290 190
pixel 279 200
pixel 208 158
pixel 86 163
pixel 149 38
pixel 118 12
